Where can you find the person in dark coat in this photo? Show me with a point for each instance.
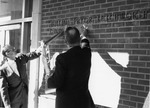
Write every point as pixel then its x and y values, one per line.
pixel 72 71
pixel 13 77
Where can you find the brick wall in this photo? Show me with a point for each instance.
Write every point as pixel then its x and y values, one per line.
pixel 115 26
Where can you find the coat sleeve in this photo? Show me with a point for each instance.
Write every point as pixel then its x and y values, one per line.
pixel 29 56
pixel 58 77
pixel 4 89
pixel 84 42
pixel 33 55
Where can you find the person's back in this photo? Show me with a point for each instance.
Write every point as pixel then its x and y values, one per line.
pixel 72 72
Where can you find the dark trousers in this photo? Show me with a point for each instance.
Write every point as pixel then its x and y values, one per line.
pixel 23 103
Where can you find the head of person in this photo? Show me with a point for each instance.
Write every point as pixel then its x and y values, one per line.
pixel 9 51
pixel 72 36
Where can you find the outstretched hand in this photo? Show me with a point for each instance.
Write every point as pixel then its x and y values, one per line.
pixel 43 48
pixel 84 29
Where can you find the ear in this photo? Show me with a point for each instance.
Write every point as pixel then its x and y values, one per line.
pixel 7 54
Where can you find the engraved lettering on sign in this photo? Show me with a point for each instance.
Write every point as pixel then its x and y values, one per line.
pixel 56 25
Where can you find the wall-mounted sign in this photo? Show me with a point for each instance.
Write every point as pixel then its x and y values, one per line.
pixel 55 25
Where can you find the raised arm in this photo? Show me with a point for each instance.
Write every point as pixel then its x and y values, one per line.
pixel 45 61
pixel 84 41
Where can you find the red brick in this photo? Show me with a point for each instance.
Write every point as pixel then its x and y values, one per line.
pixel 129 35
pixel 57 4
pixel 147 22
pixel 79 13
pixel 118 35
pixel 45 2
pixel 139 40
pixel 141 28
pixel 112 9
pixel 105 35
pixel 136 75
pixel 139 105
pixel 84 8
pixel 104 46
pixel 61 0
pixel 70 15
pixel 123 74
pixel 61 8
pixel 99 40
pixel 111 30
pixel 119 3
pixel 69 6
pixel 117 45
pixel 125 29
pixel 65 3
pixel 131 46
pixel 97 6
pixel 147 77
pixel 138 64
pixel 122 40
pixel 100 31
pixel 132 23
pixel 100 1
pixel 144 70
pixel 57 13
pixel 95 26
pixel 111 0
pixel 133 57
pixel 144 46
pixel 145 1
pixel 125 86
pixel 129 103
pixel 123 106
pixel 89 3
pixel 53 9
pixel 95 46
pixel 137 87
pixel 124 97
pixel 142 93
pixel 75 1
pixel 106 5
pixel 137 99
pixel 133 1
pixel 89 12
pixel 141 5
pixel 79 4
pixel 144 82
pixel 138 52
pixel 74 10
pixel 144 58
pixel 100 10
pixel 111 41
pixel 49 6
pixel 126 7
pixel 129 92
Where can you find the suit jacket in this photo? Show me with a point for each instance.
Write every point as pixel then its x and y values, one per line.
pixel 14 88
pixel 71 78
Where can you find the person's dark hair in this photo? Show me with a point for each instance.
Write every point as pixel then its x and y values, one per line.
pixel 6 49
pixel 72 35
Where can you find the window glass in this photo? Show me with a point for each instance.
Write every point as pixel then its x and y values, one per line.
pixel 28 8
pixel 13 38
pixel 10 9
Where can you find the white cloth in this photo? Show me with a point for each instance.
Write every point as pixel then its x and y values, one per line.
pixel 12 67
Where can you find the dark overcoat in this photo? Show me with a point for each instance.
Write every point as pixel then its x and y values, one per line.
pixel 71 78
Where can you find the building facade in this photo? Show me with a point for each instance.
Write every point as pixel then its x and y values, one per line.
pixel 119 26
pixel 116 26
